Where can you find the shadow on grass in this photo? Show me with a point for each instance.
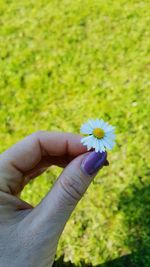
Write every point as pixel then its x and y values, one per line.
pixel 137 219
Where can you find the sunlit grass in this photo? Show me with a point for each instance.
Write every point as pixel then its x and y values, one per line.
pixel 62 62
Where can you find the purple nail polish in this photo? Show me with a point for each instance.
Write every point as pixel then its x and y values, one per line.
pixel 93 162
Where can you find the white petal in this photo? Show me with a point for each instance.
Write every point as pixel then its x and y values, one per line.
pixel 86 139
pixel 109 143
pixel 101 146
pixel 96 145
pixel 106 144
pixel 105 128
pixel 100 123
pixel 92 125
pixel 97 123
pixel 86 129
pixel 92 141
pixel 109 128
pixel 110 135
pixel 105 124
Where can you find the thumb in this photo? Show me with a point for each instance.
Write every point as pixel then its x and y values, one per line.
pixel 55 209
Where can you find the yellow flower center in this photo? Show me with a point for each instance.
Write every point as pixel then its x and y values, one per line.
pixel 98 133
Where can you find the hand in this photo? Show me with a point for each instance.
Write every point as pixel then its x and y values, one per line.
pixel 29 236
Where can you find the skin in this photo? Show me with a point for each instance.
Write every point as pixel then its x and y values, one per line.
pixel 29 235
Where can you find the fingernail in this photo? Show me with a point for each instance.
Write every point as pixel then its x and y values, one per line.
pixel 93 162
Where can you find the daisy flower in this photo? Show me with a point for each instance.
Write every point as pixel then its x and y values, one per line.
pixel 101 135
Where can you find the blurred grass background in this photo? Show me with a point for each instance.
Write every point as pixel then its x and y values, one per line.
pixel 61 63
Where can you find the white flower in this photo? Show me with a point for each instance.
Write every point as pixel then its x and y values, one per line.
pixel 101 135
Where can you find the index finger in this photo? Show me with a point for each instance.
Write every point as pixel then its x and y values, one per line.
pixel 27 153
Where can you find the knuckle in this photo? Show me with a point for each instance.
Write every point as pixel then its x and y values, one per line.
pixel 39 133
pixel 72 186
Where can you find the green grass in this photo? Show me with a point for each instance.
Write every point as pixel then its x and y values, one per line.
pixel 61 63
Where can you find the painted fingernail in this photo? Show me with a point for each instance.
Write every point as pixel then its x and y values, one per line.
pixel 93 162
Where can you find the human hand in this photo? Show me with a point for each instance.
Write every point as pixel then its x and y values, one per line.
pixel 29 236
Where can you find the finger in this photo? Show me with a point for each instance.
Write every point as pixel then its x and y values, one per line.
pixel 43 165
pixel 53 212
pixel 26 154
pixel 46 162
